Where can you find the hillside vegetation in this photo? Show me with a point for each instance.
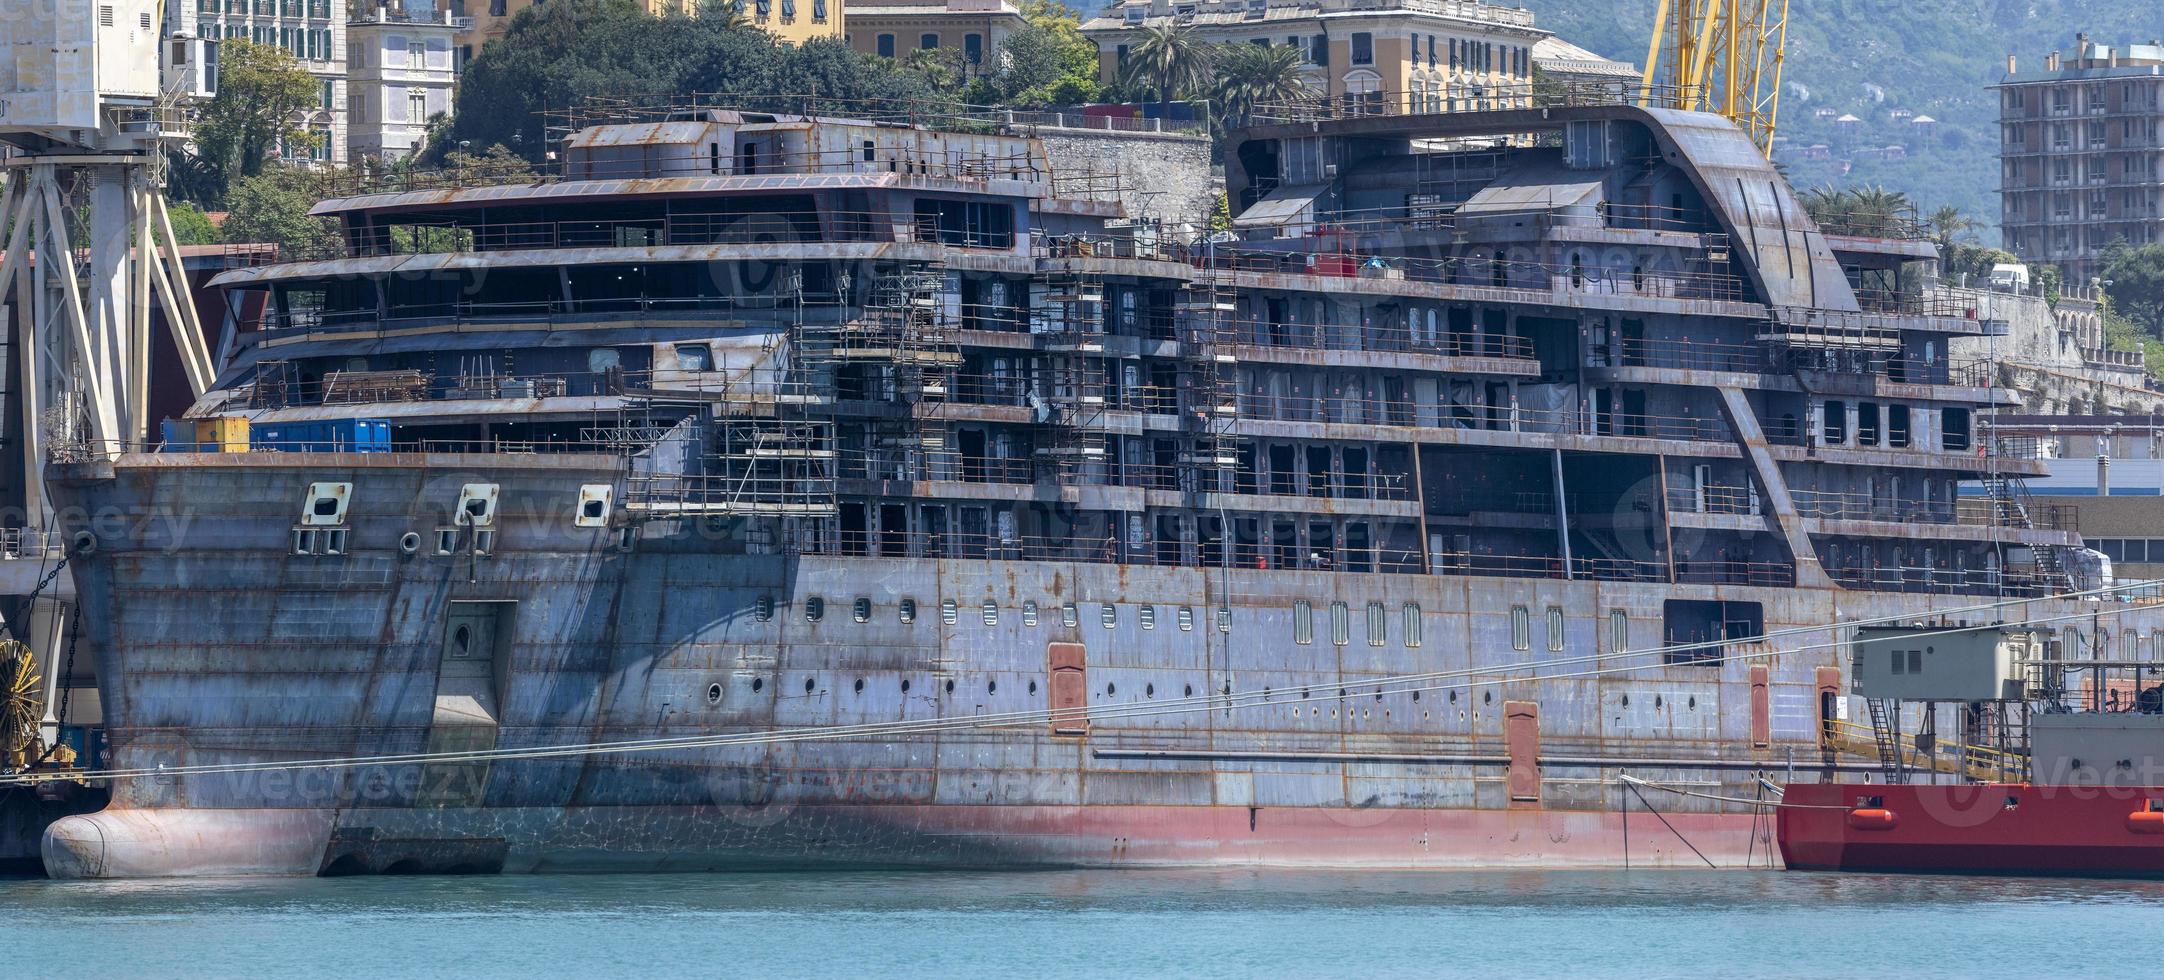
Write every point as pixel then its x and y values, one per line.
pixel 1870 58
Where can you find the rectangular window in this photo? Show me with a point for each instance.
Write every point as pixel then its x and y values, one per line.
pixel 1148 615
pixel 1897 426
pixel 1224 620
pixel 861 610
pixel 1029 613
pixel 1695 630
pixel 907 610
pixel 417 108
pixel 1834 421
pixel 991 614
pixel 1069 616
pixel 1340 624
pixel 1619 631
pixel 886 45
pixel 1363 48
pixel 1521 628
pixel 1411 626
pixel 1378 624
pixel 948 612
pixel 1108 615
pixel 1866 424
pixel 1303 622
pixel 1555 629
pixel 1187 620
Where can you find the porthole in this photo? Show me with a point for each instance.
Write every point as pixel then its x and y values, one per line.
pixel 1187 691
pixel 908 610
pixel 1626 700
pixel 1032 687
pixel 713 694
pixel 1453 697
pixel 1069 616
pixel 1657 701
pixel 1110 689
pixel 861 610
pixel 991 614
pixel 1187 620
pixel 815 609
pixel 1487 697
pixel 950 685
pixel 1148 616
pixel 1149 690
pixel 905 685
pixel 1029 613
pixel 1378 694
pixel 991 687
pixel 757 683
pixel 948 612
pixel 763 608
pixel 1416 695
pixel 1693 705
pixel 859 686
pixel 808 685
pixel 1108 615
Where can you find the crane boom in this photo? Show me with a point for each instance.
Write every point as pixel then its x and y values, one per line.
pixel 1720 56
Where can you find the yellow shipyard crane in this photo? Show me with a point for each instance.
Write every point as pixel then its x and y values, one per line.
pixel 1720 56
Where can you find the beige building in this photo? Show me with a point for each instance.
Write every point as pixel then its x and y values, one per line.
pixel 978 29
pixel 1410 55
pixel 2081 157
pixel 794 21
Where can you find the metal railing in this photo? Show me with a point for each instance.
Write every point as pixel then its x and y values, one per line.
pixel 31 542
pixel 1460 99
pixel 1394 338
pixel 1961 511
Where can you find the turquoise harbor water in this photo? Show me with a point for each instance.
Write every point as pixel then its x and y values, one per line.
pixel 1087 924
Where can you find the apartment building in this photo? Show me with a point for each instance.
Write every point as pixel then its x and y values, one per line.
pixel 794 21
pixel 1410 55
pixel 401 73
pixel 313 30
pixel 2080 152
pixel 978 29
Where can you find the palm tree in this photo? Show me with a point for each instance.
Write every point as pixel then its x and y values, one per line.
pixel 1170 60
pixel 1250 75
pixel 1949 225
pixel 1873 210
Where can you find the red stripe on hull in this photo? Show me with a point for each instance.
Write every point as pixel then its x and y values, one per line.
pixel 1971 829
pixel 161 843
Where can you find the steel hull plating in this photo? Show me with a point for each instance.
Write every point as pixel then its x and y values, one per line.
pixel 163 843
pixel 217 645
pixel 1973 829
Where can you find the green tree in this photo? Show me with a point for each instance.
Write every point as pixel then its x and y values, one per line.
pixel 2136 276
pixel 1871 210
pixel 1173 62
pixel 1249 75
pixel 1049 62
pixel 557 55
pixel 190 225
pixel 1949 224
pixel 272 208
pixel 262 91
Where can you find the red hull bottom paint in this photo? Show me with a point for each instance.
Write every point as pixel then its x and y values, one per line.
pixel 161 843
pixel 1988 829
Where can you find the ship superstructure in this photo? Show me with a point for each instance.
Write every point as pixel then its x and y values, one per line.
pixel 751 422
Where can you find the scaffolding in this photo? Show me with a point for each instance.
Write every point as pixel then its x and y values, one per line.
pixel 1067 313
pixel 1206 316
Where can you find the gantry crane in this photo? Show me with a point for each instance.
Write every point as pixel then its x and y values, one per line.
pixel 1720 56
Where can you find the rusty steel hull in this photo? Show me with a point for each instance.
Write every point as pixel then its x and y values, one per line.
pixel 215 645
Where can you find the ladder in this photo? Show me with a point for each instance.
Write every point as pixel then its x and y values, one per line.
pixel 1884 717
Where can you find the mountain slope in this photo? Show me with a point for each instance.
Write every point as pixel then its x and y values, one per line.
pixel 1870 58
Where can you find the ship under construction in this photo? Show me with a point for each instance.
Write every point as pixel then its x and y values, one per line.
pixel 881 495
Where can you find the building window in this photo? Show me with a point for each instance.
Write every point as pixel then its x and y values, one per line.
pixel 1363 48
pixel 417 107
pixel 417 56
pixel 819 11
pixel 973 48
pixel 1521 628
pixel 1303 622
pixel 928 42
pixel 886 45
